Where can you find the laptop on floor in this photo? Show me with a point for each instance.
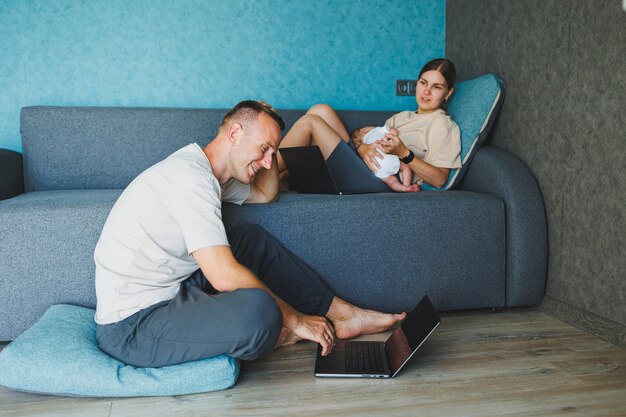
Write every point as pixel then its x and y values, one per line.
pixel 367 359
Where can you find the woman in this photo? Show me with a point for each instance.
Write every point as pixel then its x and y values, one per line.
pixel 427 140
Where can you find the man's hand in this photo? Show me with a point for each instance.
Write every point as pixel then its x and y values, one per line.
pixel 226 274
pixel 317 329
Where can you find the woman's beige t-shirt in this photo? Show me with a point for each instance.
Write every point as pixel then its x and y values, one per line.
pixel 433 137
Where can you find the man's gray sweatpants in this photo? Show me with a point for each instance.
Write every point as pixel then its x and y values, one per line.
pixel 199 322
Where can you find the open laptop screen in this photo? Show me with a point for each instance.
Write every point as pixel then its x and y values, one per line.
pixel 407 338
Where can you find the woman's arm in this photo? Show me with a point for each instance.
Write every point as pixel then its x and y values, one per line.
pixel 435 176
pixel 370 155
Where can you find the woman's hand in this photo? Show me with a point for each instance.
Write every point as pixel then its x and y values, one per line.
pixel 370 155
pixel 317 329
pixel 391 144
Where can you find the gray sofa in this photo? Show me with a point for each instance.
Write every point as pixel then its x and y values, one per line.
pixel 482 245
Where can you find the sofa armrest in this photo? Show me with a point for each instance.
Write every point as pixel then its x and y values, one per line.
pixel 11 174
pixel 497 172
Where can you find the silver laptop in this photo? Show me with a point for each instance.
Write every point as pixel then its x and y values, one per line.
pixel 368 359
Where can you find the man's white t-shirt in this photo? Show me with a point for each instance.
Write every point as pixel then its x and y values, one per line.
pixel 169 211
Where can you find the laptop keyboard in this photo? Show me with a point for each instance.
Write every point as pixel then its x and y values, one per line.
pixel 364 357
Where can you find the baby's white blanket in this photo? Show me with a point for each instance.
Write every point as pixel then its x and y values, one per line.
pixel 390 164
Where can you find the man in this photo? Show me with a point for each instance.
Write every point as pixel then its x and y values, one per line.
pixel 172 286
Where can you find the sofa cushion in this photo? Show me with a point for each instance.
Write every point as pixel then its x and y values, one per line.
pixel 47 239
pixel 385 251
pixel 59 355
pixel 474 106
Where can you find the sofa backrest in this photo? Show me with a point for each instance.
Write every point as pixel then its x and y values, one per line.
pixel 68 148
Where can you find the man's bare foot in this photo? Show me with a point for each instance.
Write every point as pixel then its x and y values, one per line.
pixel 351 321
pixel 286 338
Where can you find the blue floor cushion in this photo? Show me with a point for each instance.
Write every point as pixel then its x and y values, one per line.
pixel 59 356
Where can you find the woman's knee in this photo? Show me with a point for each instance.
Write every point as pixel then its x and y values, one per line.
pixel 308 123
pixel 322 110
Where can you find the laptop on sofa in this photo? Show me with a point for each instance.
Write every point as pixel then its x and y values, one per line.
pixel 308 172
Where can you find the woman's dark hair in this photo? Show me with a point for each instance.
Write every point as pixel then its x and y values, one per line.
pixel 444 66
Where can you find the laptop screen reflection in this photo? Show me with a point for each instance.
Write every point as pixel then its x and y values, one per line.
pixel 398 350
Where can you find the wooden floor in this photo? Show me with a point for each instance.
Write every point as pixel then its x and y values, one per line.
pixel 518 362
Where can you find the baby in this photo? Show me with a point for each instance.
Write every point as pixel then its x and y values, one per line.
pixel 390 165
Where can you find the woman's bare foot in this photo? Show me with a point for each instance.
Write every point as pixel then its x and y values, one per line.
pixel 286 338
pixel 351 321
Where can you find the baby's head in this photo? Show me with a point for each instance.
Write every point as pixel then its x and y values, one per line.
pixel 358 135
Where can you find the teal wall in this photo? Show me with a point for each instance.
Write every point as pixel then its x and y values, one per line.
pixel 188 53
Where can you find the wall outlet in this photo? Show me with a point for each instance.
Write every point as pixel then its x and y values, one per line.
pixel 405 87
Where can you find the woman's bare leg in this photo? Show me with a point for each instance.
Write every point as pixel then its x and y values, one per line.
pixel 329 115
pixel 320 126
pixel 309 130
pixel 312 132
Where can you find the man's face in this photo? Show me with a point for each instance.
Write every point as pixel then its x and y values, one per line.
pixel 255 148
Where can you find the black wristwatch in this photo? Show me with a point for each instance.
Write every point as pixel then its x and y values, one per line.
pixel 407 159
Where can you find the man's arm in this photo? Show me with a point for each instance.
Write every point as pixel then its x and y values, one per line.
pixel 264 188
pixel 226 274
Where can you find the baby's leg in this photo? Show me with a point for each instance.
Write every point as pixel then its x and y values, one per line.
pixel 406 174
pixel 395 184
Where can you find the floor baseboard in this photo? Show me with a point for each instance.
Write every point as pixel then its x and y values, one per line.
pixel 589 322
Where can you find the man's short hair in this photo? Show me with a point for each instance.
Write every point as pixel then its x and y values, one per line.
pixel 247 111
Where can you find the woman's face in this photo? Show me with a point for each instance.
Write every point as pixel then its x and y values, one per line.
pixel 432 89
